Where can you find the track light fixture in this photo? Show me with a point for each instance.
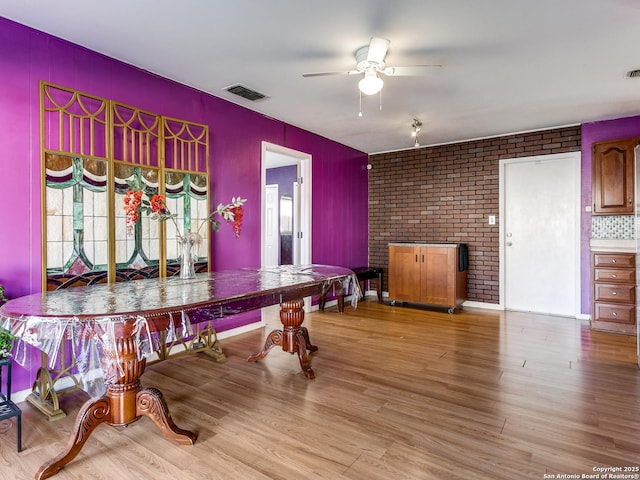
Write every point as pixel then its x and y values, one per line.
pixel 416 126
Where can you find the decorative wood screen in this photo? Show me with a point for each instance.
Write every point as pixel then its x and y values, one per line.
pixel 91 147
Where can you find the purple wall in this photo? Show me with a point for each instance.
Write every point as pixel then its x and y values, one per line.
pixel 284 177
pixel 27 56
pixel 596 132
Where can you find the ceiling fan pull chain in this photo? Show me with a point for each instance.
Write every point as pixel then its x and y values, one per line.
pixel 360 112
pixel 380 100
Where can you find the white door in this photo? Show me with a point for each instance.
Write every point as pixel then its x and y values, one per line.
pixel 297 230
pixel 271 229
pixel 539 227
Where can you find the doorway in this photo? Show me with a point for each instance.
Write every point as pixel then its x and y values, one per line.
pixel 293 226
pixel 539 231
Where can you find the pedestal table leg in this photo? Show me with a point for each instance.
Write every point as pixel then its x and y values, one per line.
pixel 293 338
pixel 92 414
pixel 123 404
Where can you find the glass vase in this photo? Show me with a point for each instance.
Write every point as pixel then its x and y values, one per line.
pixel 187 261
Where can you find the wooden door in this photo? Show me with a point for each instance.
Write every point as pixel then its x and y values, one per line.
pixel 613 177
pixel 404 273
pixel 438 275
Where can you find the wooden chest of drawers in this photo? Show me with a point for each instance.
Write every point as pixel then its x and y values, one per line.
pixel 614 292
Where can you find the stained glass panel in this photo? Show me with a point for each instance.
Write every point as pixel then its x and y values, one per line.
pixel 88 142
pixel 76 215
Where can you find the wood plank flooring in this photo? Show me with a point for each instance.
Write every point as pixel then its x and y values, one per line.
pixel 400 393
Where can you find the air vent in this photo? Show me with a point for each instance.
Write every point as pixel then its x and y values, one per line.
pixel 245 92
pixel 633 73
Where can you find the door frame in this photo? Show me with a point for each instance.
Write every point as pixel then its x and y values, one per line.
pixel 278 156
pixel 576 158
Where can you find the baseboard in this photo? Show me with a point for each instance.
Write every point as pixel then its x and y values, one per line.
pixel 21 396
pixel 238 330
pixel 487 306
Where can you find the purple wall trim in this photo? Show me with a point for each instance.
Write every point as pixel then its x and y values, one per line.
pixel 596 132
pixel 27 56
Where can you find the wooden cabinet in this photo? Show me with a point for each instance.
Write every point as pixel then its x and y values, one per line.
pixel 614 292
pixel 613 177
pixel 427 274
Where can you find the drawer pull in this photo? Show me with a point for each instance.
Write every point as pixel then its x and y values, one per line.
pixel 613 260
pixel 614 314
pixel 614 293
pixel 614 276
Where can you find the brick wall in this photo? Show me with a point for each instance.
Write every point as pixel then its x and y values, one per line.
pixel 444 194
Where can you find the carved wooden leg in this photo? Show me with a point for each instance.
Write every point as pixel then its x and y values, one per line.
pixel 92 414
pixel 273 339
pixel 151 403
pixel 321 302
pixel 293 338
pixel 341 302
pixel 307 341
pixel 302 356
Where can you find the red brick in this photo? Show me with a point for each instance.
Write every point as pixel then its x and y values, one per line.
pixel 445 193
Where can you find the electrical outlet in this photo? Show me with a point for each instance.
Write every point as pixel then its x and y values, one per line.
pixel 492 219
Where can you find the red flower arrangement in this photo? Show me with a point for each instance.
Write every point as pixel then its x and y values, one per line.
pixel 136 201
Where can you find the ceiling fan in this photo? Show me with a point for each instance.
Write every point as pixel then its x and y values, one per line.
pixel 370 61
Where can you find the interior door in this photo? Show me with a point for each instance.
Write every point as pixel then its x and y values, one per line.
pixel 540 233
pixel 297 229
pixel 272 231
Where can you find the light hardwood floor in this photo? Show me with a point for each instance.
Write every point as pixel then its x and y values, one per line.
pixel 400 393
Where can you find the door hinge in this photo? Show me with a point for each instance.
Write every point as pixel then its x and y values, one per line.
pixel 300 180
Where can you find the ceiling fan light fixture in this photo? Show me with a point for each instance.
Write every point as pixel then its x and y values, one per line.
pixel 371 83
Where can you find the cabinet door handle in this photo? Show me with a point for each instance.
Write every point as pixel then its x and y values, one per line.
pixel 630 200
pixel 422 258
pixel 416 258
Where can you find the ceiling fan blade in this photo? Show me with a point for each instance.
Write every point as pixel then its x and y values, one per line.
pixel 410 70
pixel 377 50
pixel 325 74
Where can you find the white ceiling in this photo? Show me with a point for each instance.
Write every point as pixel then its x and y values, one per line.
pixel 507 65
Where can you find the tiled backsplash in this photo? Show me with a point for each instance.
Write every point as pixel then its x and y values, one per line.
pixel 613 227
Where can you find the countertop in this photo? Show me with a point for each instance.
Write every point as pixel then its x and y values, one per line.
pixel 418 244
